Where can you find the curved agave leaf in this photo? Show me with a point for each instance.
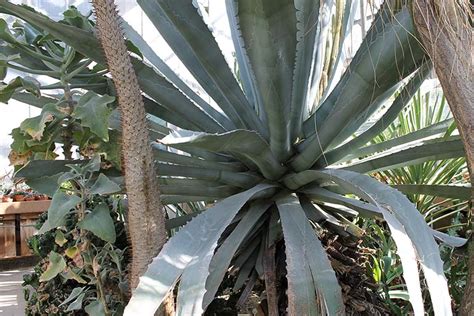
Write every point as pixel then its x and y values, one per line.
pixel 407 254
pixel 261 22
pixel 183 28
pixel 362 83
pixel 223 256
pixel 433 130
pixel 241 179
pixel 238 142
pixel 246 73
pixel 175 158
pixel 166 71
pixel 389 116
pixel 302 243
pixel 192 247
pixel 307 15
pixel 404 211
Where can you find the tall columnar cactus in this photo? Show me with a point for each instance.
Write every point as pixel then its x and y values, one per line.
pixel 145 217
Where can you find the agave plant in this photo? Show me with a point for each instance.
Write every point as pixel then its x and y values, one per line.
pixel 277 158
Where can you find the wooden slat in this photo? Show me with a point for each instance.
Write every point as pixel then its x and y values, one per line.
pixel 24 207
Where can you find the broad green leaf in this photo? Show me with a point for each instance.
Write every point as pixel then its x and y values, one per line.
pixel 71 252
pixel 94 113
pixel 100 223
pixel 70 274
pixel 95 308
pixel 242 143
pixel 59 238
pixel 30 99
pixel 174 258
pixel 44 168
pixel 76 304
pixel 103 185
pixel 93 165
pixel 60 206
pixel 224 254
pixel 35 126
pixel 74 294
pixel 29 84
pixel 46 185
pixel 56 264
pixel 304 248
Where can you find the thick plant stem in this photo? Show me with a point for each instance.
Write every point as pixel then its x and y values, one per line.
pixel 269 271
pixel 446 32
pixel 146 227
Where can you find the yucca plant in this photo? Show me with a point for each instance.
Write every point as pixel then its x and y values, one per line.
pixel 277 157
pixel 425 111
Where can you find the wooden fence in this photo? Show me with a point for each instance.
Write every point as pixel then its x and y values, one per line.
pixel 17 221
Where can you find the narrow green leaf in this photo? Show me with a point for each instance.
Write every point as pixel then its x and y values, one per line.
pixel 186 160
pixel 384 121
pixel 436 149
pixel 166 71
pixel 238 179
pixel 307 16
pixel 463 192
pixel 362 83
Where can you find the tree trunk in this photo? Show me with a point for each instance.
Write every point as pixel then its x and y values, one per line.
pixel 145 218
pixel 446 32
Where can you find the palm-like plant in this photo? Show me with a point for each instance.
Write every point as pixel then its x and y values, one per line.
pixel 280 160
